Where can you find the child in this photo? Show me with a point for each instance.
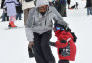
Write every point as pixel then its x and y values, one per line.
pixel 11 11
pixel 65 44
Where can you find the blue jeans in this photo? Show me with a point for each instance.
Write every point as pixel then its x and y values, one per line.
pixel 18 16
pixel 89 11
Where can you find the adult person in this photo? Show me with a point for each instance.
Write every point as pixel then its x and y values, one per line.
pixel 89 7
pixel 38 29
pixel 26 6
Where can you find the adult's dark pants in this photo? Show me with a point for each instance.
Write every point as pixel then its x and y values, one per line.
pixel 63 61
pixel 89 10
pixel 42 51
pixel 68 2
pixel 5 17
pixel 18 16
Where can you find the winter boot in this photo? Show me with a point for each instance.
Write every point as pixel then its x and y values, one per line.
pixel 11 24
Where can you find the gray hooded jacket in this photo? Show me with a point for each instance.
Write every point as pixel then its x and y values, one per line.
pixel 40 24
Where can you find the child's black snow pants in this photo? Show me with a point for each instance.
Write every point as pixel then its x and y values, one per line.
pixel 42 51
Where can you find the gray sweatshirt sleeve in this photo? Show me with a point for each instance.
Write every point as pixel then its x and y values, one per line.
pixel 29 34
pixel 28 26
pixel 58 18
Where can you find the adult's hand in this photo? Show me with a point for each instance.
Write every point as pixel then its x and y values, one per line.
pixel 30 44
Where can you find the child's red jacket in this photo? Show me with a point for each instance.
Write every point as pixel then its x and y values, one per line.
pixel 66 51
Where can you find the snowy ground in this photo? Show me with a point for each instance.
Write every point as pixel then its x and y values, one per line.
pixel 13 43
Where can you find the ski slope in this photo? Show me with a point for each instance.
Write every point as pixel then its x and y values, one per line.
pixel 13 43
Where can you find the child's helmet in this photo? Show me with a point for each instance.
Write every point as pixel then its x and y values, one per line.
pixel 59 28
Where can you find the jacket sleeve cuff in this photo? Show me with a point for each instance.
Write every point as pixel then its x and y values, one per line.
pixel 29 34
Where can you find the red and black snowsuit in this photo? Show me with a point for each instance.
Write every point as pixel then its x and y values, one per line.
pixel 66 46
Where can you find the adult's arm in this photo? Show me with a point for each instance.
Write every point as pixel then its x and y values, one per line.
pixel 58 18
pixel 28 26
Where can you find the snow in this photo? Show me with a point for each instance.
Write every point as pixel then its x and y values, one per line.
pixel 13 43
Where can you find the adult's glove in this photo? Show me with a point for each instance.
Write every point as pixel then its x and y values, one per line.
pixel 30 52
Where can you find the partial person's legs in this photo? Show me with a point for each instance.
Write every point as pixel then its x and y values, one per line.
pixel 7 18
pixel 26 12
pixel 46 50
pixel 88 11
pixel 63 10
pixel 65 14
pixel 20 16
pixel 91 10
pixel 63 61
pixel 68 1
pixel 37 49
pixel 17 16
pixel 11 21
pixel 3 17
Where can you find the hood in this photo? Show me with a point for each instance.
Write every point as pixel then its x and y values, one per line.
pixel 41 3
